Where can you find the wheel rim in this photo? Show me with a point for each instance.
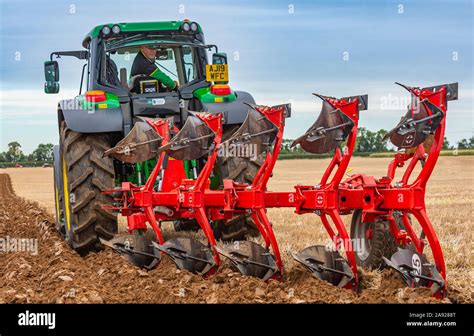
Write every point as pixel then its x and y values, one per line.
pixel 363 233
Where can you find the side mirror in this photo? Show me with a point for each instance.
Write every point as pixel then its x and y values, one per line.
pixel 51 75
pixel 219 58
pixel 51 71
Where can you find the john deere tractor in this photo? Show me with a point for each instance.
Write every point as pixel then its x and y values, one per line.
pixel 110 102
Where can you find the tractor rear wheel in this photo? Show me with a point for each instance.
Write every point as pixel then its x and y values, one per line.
pixel 238 169
pixel 86 174
pixel 374 241
pixel 238 228
pixel 241 170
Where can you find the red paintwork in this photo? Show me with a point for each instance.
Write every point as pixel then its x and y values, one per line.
pixel 331 198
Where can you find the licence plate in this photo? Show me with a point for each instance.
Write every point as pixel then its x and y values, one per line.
pixel 217 73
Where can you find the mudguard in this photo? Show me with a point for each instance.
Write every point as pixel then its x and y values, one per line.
pixel 234 112
pixel 90 121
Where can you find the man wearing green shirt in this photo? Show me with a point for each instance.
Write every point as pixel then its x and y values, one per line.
pixel 144 64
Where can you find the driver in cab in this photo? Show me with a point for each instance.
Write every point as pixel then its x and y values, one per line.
pixel 144 64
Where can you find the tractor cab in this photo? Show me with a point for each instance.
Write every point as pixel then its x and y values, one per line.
pixel 181 55
pixel 179 60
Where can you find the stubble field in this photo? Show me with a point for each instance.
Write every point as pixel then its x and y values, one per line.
pixel 449 201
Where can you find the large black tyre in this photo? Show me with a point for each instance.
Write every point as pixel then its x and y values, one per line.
pixel 238 228
pixel 373 241
pixel 86 174
pixel 241 170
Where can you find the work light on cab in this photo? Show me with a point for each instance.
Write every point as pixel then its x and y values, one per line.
pixel 116 29
pixel 106 30
pixel 186 27
pixel 194 26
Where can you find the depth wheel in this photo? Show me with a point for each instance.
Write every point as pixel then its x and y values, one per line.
pixel 373 240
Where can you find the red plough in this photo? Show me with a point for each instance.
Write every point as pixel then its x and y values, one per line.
pixel 188 198
pixel 376 203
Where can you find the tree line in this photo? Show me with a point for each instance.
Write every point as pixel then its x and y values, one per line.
pixel 14 153
pixel 372 142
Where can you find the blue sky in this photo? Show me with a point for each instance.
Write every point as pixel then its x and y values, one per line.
pixel 280 51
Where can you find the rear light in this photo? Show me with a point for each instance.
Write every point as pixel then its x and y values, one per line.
pixel 220 89
pixel 95 96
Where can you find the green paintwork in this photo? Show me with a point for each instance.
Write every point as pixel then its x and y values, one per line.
pixel 138 27
pixel 111 100
pixel 205 96
pixel 214 179
pixel 143 169
pixel 189 166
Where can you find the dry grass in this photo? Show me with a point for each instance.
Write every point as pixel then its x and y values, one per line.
pixel 449 201
pixel 35 184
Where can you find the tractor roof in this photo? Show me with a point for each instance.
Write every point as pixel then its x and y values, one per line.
pixel 156 42
pixel 137 27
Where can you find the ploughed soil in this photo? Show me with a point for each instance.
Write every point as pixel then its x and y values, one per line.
pixel 56 274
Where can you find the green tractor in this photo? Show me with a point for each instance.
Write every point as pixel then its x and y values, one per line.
pixel 111 101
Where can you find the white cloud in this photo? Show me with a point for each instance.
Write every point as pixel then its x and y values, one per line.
pixel 17 103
